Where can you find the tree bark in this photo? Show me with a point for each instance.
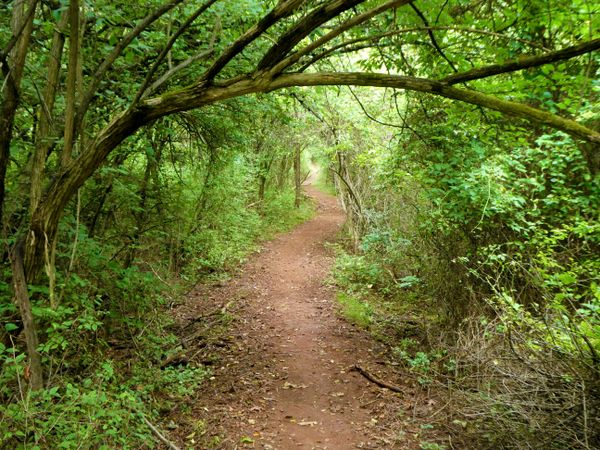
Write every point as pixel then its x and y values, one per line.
pixel 152 164
pixel 74 55
pixel 524 63
pixel 22 299
pixel 43 140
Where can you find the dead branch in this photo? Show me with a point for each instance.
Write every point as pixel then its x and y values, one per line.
pixel 159 435
pixel 373 379
pixel 176 359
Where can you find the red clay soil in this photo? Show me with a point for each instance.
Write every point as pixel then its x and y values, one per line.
pixel 281 377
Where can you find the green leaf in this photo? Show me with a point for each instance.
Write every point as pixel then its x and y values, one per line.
pixel 10 327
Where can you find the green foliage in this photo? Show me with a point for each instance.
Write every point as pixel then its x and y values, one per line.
pixel 356 274
pixel 178 382
pixel 101 411
pixel 457 224
pixel 355 309
pixel 453 213
pixel 431 446
pixel 93 412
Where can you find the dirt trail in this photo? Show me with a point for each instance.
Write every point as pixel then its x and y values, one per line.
pixel 283 379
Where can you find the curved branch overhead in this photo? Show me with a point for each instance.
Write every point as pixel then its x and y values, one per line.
pixel 283 39
pixel 524 62
pixel 304 28
pixel 442 89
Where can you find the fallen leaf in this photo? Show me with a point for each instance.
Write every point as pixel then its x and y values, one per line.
pixel 307 424
pixel 288 385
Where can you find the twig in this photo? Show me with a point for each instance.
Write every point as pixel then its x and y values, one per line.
pixel 158 276
pixel 159 435
pixel 73 252
pixel 585 416
pixel 374 379
pixel 440 410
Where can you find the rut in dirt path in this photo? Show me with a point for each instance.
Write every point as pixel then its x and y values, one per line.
pixel 285 382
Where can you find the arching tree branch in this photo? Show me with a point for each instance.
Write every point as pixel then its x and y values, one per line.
pixel 523 63
pixel 442 89
pixel 303 28
pixel 351 23
pixel 282 10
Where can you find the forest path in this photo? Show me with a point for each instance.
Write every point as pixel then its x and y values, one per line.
pixel 281 379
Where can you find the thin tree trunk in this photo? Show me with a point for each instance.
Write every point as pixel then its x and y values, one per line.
pixel 43 141
pixel 71 92
pixel 211 168
pixel 262 183
pixel 152 163
pixel 297 176
pixel 284 168
pixel 22 299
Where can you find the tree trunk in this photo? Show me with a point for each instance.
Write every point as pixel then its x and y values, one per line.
pixel 283 172
pixel 74 55
pixel 104 190
pixel 43 140
pixel 22 299
pixel 141 215
pixel 262 183
pixel 297 176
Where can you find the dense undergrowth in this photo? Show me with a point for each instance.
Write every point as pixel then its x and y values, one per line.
pixel 476 260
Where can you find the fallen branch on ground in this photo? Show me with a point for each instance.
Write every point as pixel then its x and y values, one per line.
pixel 176 359
pixel 158 434
pixel 374 379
